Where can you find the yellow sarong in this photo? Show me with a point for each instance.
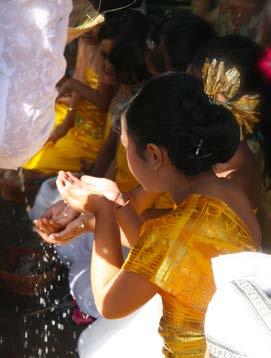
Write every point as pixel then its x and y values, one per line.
pixel 83 141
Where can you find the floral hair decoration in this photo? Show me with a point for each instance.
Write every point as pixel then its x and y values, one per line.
pixel 222 87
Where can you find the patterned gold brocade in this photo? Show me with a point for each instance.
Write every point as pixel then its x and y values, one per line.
pixel 174 252
pixel 219 82
pixel 83 141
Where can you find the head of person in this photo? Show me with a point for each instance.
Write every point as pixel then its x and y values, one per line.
pixel 154 56
pixel 171 123
pixel 180 38
pixel 244 54
pixel 119 25
pixel 127 62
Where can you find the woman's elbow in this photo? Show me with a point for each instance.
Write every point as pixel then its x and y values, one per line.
pixel 109 310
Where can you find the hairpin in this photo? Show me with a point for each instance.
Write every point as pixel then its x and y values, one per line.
pixel 199 147
pixel 221 87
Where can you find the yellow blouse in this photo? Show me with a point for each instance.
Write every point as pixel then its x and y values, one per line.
pixel 174 253
pixel 90 120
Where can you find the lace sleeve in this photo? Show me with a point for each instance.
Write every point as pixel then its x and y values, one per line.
pixel 32 40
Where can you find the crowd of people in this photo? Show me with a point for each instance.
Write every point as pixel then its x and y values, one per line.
pixel 154 185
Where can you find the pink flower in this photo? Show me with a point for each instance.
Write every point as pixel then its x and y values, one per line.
pixel 265 64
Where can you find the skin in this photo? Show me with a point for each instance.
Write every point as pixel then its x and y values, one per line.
pixel 117 292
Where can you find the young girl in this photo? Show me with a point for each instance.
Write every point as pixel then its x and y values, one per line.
pixel 253 152
pixel 174 41
pixel 80 127
pixel 126 62
pixel 173 137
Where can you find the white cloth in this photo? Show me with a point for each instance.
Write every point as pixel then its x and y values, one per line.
pixel 134 336
pixel 238 319
pixel 32 40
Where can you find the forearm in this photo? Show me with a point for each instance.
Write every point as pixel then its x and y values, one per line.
pixel 105 156
pixel 130 222
pixel 70 116
pixel 107 256
pixel 92 95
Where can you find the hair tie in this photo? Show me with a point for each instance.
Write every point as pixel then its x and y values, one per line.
pixel 221 87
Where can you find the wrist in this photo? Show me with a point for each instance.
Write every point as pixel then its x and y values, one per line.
pixel 100 205
pixel 122 200
pixel 89 222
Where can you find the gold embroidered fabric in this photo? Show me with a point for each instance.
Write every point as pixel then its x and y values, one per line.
pixel 90 120
pixel 219 82
pixel 174 252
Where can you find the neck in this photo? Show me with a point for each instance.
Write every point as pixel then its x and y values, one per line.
pixel 179 185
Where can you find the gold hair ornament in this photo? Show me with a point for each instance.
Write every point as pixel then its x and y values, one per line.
pixel 221 87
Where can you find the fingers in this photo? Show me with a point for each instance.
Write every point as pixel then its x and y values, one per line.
pixel 46 226
pixel 61 184
pixel 87 179
pixel 45 237
pixel 71 231
pixel 73 179
pixel 68 215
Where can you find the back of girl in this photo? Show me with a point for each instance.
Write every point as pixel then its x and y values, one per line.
pixel 173 137
pixel 249 168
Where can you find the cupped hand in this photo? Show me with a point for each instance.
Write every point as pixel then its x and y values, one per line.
pixel 83 194
pixel 82 224
pixel 56 218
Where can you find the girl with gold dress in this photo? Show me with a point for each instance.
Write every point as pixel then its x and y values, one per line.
pixel 249 168
pixel 80 127
pixel 173 137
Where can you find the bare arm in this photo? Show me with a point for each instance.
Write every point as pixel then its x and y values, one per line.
pixel 100 97
pixel 68 123
pixel 106 155
pixel 117 293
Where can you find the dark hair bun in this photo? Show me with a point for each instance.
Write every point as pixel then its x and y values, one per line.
pixel 173 111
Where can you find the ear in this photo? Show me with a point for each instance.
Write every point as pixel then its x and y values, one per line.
pixel 156 156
